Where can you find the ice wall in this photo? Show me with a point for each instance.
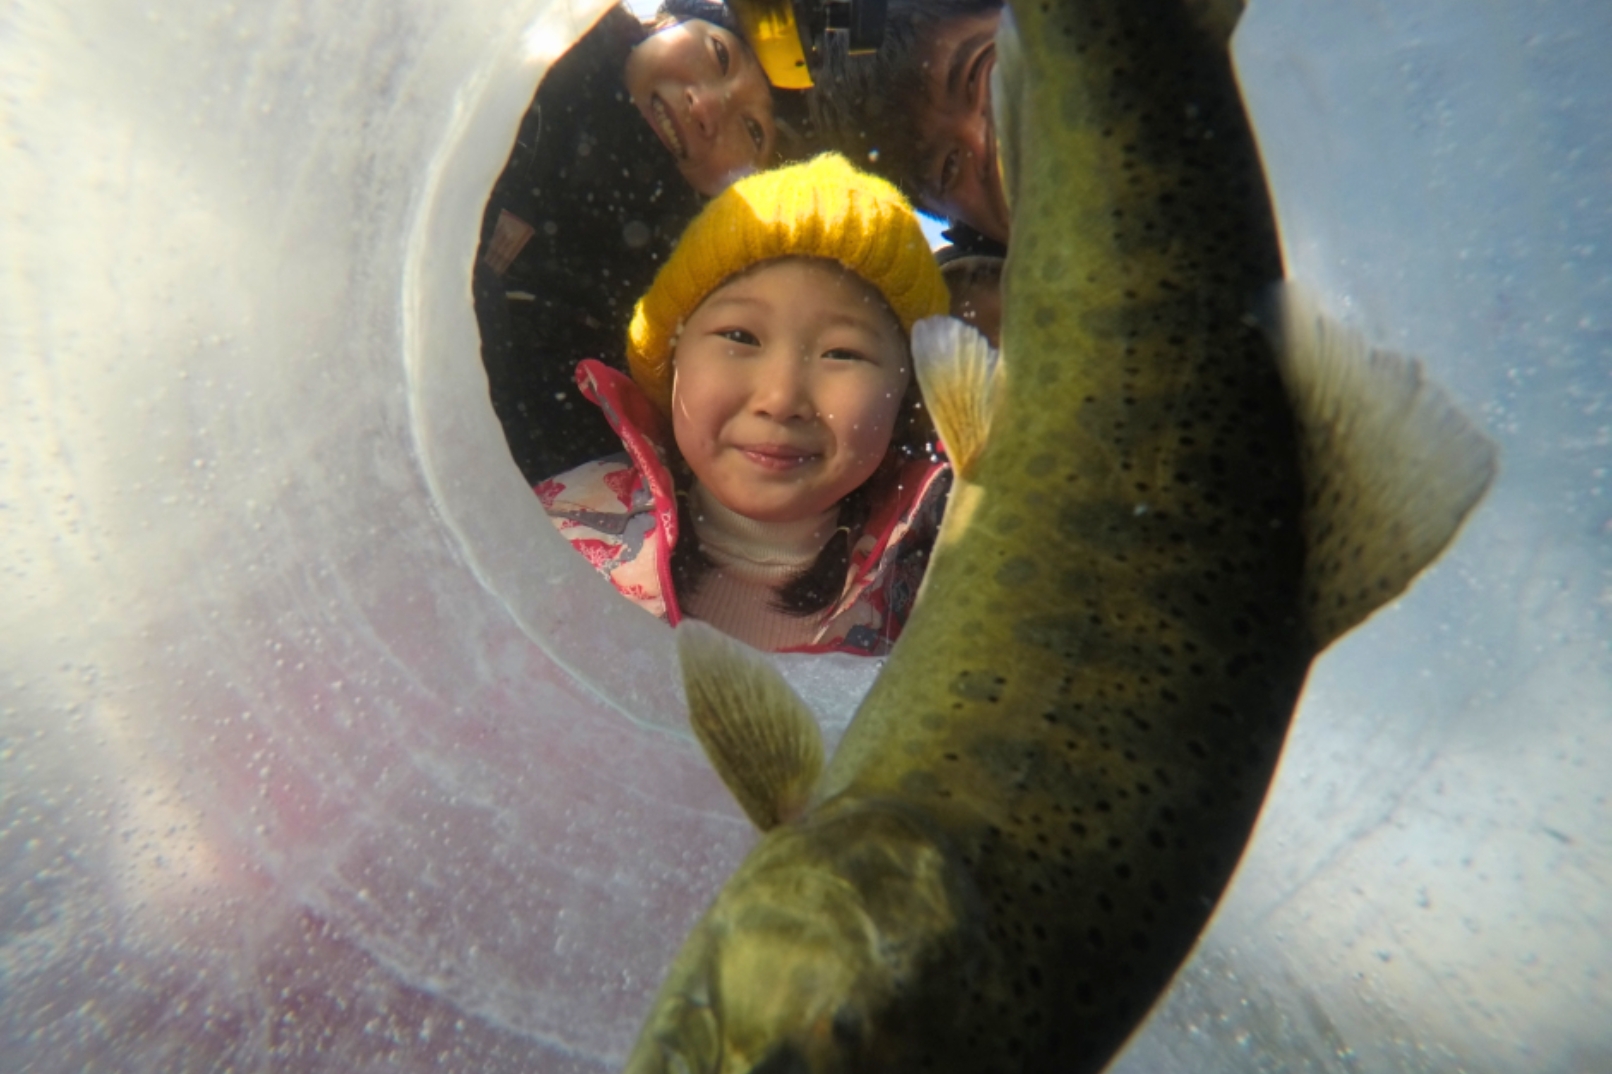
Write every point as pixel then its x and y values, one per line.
pixel 321 754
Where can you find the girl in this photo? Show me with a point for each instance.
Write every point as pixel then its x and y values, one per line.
pixel 628 133
pixel 774 482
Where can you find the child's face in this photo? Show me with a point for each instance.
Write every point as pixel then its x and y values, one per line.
pixel 787 385
pixel 704 92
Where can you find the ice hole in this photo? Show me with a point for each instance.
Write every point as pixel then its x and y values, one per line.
pixel 306 761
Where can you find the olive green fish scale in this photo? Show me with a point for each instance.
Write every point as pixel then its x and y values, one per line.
pixel 1145 685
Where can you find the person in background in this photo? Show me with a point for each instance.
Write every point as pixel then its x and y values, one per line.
pixel 938 57
pixel 975 283
pixel 698 85
pixel 919 114
pixel 775 480
pixel 627 134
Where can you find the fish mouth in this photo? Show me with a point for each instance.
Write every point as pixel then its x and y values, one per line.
pixel 666 125
pixel 778 458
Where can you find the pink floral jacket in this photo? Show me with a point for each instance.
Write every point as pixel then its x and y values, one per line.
pixel 621 513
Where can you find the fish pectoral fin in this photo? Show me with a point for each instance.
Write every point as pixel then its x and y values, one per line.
pixel 761 738
pixel 1392 467
pixel 957 370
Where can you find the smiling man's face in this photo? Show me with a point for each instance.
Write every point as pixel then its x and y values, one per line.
pixel 704 93
pixel 958 176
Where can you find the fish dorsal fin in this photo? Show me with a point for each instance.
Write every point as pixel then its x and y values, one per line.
pixel 1219 17
pixel 759 735
pixel 1391 465
pixel 957 370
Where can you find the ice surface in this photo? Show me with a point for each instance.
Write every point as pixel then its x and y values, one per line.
pixel 321 753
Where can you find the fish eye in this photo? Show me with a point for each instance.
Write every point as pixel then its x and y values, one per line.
pixel 784 1059
pixel 847 1027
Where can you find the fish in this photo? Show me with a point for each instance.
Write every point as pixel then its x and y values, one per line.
pixel 1179 481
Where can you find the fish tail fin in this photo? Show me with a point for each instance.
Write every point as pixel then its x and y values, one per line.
pixel 957 369
pixel 761 738
pixel 1392 467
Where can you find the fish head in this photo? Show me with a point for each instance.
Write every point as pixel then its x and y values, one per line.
pixel 836 949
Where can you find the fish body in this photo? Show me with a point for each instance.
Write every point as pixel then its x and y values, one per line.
pixel 1042 798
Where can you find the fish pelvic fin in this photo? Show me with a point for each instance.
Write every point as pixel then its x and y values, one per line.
pixel 761 738
pixel 1392 467
pixel 957 370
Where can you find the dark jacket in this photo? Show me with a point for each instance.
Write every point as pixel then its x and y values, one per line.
pixel 605 204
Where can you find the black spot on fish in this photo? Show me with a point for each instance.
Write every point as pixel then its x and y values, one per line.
pixel 1016 572
pixel 979 686
pixel 1041 465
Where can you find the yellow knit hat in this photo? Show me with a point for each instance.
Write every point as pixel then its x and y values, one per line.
pixel 821 208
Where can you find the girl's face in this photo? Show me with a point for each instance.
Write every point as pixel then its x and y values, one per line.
pixel 787 383
pixel 703 91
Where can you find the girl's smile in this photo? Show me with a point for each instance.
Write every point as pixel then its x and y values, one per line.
pixel 778 457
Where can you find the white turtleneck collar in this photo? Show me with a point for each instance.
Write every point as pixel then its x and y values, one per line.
pixel 727 535
pixel 752 561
